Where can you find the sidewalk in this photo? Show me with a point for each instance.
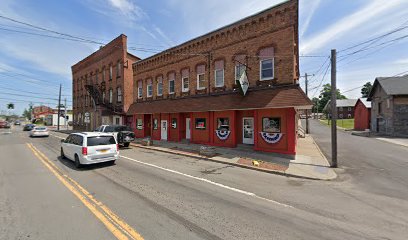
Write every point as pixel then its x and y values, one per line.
pixel 398 141
pixel 309 163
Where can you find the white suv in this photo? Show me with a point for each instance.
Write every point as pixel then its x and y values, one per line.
pixel 89 148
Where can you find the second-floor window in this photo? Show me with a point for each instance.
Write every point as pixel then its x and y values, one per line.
pixel 171 83
pixel 266 63
pixel 110 95
pixel 149 88
pixel 139 89
pixel 103 96
pixel 219 73
pixel 239 70
pixel 185 84
pixel 200 77
pixel 349 109
pixel 118 69
pixel 119 94
pixel 103 74
pixel 159 86
pixel 110 72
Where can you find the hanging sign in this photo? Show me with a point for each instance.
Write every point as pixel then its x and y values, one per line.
pixel 222 134
pixel 271 137
pixel 243 83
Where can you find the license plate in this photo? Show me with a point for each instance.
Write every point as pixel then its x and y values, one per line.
pixel 103 150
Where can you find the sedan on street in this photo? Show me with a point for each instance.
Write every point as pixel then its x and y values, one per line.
pixel 39 132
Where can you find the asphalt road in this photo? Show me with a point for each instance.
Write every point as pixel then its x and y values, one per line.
pixel 165 196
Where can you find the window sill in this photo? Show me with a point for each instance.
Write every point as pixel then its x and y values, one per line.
pixel 266 79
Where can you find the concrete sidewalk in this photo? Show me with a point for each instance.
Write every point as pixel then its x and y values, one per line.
pixel 309 163
pixel 398 141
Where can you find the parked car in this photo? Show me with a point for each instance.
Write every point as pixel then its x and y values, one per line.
pixel 3 124
pixel 28 127
pixel 124 134
pixel 17 123
pixel 90 148
pixel 39 132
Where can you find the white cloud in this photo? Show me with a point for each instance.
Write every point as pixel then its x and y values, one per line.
pixel 164 36
pixel 128 9
pixel 374 10
pixel 402 61
pixel 309 10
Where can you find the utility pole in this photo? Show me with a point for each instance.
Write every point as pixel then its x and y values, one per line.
pixel 333 109
pixel 65 114
pixel 307 111
pixel 59 108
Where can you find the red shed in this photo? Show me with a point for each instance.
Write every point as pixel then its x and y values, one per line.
pixel 362 114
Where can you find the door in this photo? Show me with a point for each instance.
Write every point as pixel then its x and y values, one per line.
pixel 163 131
pixel 188 128
pixel 248 130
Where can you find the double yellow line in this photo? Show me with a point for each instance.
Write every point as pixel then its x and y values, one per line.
pixel 118 227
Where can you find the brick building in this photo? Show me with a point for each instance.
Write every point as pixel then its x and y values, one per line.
pixel 345 108
pixel 190 91
pixel 389 106
pixel 102 85
pixel 40 112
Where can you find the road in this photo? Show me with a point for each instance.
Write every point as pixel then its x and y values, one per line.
pixel 163 196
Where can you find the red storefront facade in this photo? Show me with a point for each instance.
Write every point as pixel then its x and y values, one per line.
pixel 190 92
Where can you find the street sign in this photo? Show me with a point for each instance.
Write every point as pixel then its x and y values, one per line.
pixel 87 119
pixel 87 114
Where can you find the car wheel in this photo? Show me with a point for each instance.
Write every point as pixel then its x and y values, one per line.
pixel 62 154
pixel 77 162
pixel 112 162
pixel 126 144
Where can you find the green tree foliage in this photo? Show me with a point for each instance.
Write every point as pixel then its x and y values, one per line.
pixel 325 95
pixel 27 113
pixel 365 90
pixel 10 106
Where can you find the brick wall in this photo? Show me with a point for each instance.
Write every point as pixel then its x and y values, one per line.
pixel 95 70
pixel 275 27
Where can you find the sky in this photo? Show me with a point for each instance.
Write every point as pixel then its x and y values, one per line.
pixel 33 62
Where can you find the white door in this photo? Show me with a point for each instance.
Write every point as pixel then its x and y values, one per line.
pixel 163 129
pixel 248 130
pixel 188 128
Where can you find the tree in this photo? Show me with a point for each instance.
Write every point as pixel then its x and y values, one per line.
pixel 325 95
pixel 10 106
pixel 27 113
pixel 366 89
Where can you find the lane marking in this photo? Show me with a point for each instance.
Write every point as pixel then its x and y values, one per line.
pixel 123 225
pixel 108 218
pixel 208 181
pixel 204 180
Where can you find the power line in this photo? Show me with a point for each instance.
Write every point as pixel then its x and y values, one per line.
pixel 27 101
pixel 23 95
pixel 321 82
pixel 18 90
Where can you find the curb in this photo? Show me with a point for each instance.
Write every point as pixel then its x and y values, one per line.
pixel 180 153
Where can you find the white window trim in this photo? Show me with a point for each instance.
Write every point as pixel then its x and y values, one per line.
pixel 147 90
pixel 174 84
pixel 182 84
pixel 273 69
pixel 110 95
pixel 215 77
pixel 119 95
pixel 110 72
pixel 198 82
pixel 158 83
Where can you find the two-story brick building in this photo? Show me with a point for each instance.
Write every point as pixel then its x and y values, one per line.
pixel 102 86
pixel 191 92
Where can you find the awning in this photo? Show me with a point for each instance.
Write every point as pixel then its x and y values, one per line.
pixel 278 97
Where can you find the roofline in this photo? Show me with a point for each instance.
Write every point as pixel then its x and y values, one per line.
pixel 216 30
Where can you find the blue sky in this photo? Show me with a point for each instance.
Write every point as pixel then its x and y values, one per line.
pixel 32 67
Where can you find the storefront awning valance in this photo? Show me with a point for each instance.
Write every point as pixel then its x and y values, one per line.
pixel 280 97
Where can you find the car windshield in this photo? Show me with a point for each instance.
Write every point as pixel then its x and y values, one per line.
pixel 108 129
pixel 40 128
pixel 101 140
pixel 122 128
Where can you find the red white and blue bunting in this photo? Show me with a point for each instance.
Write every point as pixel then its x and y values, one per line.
pixel 271 137
pixel 222 134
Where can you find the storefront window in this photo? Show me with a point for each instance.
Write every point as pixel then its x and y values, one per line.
pixel 200 123
pixel 139 124
pixel 271 125
pixel 174 123
pixel 155 124
pixel 223 124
